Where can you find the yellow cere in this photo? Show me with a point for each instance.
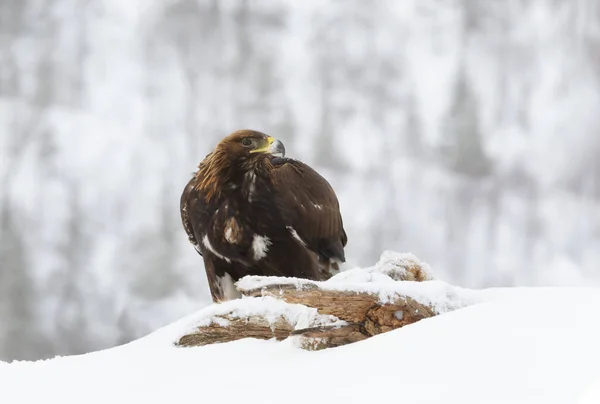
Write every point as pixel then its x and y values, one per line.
pixel 270 141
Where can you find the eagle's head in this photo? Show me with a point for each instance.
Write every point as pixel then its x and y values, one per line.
pixel 241 151
pixel 247 145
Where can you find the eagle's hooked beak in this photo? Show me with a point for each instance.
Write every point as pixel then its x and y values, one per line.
pixel 274 147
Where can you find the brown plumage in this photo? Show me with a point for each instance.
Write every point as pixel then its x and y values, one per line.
pixel 248 210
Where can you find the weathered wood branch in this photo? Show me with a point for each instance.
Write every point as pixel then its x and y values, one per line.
pixel 237 328
pixel 324 314
pixel 365 314
pixel 314 339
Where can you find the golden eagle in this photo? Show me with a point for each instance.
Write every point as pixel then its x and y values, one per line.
pixel 249 210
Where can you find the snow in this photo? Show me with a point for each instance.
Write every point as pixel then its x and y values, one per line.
pixel 437 294
pixel 268 308
pixel 517 345
pixel 392 266
pixel 381 280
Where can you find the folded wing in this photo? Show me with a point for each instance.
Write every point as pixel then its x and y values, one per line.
pixel 309 207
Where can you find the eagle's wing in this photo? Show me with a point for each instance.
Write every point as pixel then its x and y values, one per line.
pixel 190 209
pixel 309 207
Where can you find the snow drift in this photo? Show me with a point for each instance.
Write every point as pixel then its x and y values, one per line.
pixel 503 345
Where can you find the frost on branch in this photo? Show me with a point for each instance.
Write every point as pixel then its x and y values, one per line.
pixel 351 306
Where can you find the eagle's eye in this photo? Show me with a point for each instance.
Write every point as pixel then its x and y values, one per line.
pixel 247 142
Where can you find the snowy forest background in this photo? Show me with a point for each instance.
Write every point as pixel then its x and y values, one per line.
pixel 466 132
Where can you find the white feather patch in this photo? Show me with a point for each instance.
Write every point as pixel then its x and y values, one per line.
pixel 260 246
pixel 227 287
pixel 210 248
pixel 295 235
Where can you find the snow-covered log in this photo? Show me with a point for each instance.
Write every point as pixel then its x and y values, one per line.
pixel 351 306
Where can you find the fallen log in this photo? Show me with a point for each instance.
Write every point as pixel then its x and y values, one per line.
pixel 354 307
pixel 238 328
pixel 348 308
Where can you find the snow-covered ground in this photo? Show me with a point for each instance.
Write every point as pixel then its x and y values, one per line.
pixel 515 345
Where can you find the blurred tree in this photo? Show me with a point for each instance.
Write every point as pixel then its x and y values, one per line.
pixel 20 330
pixel 19 333
pixel 583 176
pixel 258 91
pixel 333 65
pixel 412 134
pixel 464 154
pixel 152 256
pixel 12 27
pixel 178 28
pixel 462 146
pixel 72 318
pixel 46 81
